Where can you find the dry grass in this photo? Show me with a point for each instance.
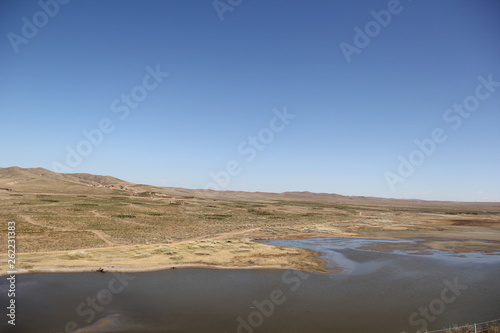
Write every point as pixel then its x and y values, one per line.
pixel 66 221
pixel 57 212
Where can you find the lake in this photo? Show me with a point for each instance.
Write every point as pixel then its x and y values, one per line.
pixel 381 286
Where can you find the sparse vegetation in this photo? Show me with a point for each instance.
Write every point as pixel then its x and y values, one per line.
pixel 217 216
pixel 124 216
pixel 258 211
pixel 101 216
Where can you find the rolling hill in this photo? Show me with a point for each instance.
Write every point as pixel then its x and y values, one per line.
pixel 40 180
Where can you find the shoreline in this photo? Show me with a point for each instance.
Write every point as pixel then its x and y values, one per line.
pixel 223 254
pixel 235 254
pixel 145 269
pixel 97 225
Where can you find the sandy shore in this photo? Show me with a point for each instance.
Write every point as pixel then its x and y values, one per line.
pixel 220 254
pixel 230 250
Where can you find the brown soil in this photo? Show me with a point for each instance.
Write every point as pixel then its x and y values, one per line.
pixel 93 223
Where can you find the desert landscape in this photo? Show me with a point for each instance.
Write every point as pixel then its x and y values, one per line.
pixel 84 222
pixel 250 166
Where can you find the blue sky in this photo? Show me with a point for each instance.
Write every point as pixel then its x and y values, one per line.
pixel 353 122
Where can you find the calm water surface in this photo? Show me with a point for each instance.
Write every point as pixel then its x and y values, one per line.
pixel 383 286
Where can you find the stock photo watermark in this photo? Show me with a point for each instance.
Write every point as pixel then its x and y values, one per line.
pixel 249 149
pixel 363 37
pixel 267 307
pixel 11 271
pixel 122 106
pixel 30 27
pixel 223 6
pixel 455 116
pixel 437 306
pixel 89 308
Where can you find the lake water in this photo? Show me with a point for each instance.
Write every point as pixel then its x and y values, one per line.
pixel 383 286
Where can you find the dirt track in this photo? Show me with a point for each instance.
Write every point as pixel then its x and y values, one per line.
pixel 143 227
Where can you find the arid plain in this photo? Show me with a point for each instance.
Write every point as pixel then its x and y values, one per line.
pixel 83 222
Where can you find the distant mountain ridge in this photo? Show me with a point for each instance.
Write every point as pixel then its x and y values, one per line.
pixel 40 180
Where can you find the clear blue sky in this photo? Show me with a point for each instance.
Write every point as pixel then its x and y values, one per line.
pixel 353 120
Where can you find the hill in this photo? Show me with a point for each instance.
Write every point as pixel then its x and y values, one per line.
pixel 80 221
pixel 40 180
